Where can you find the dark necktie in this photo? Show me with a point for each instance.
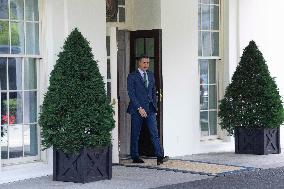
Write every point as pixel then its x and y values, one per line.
pixel 145 79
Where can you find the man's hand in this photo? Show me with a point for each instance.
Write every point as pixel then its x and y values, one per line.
pixel 142 112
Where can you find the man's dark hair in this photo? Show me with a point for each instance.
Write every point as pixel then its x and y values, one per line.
pixel 142 56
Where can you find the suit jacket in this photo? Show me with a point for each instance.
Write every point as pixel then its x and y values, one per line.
pixel 139 94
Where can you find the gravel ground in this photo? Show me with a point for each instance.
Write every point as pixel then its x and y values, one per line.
pixel 123 178
pixel 261 179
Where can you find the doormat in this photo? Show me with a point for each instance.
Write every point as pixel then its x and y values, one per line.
pixel 188 166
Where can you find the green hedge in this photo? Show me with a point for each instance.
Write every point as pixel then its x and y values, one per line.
pixel 252 99
pixel 76 112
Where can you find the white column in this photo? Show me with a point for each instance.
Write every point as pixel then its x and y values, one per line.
pixel 181 131
pixel 111 31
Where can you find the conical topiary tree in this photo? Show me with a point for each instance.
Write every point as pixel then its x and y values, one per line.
pixel 252 99
pixel 76 112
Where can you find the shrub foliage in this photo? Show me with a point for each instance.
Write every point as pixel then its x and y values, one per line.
pixel 76 112
pixel 252 99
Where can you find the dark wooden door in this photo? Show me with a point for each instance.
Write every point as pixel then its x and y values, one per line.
pixel 149 42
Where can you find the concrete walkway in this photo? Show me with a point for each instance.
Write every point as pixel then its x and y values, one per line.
pixel 123 178
pixel 136 178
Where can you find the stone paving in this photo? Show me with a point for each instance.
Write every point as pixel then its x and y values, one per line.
pixel 259 179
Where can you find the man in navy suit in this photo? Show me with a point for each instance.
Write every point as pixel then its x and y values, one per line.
pixel 143 108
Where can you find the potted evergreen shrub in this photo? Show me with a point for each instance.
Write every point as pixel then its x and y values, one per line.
pixel 76 117
pixel 252 108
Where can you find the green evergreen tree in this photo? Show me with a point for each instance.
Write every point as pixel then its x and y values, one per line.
pixel 252 99
pixel 76 112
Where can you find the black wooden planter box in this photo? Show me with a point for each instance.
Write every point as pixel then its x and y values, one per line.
pixel 257 141
pixel 87 166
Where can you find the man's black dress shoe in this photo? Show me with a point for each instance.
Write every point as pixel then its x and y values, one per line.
pixel 161 160
pixel 137 160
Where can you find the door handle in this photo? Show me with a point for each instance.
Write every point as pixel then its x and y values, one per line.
pixel 160 94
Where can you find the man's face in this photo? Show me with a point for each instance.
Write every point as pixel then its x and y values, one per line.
pixel 143 64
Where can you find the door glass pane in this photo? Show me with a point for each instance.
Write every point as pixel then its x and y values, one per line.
pixel 32 10
pixel 139 47
pixel 30 107
pixel 16 107
pixel 215 43
pixel 3 73
pixel 30 140
pixel 205 17
pixel 213 122
pixel 204 123
pixel 4 9
pixel 152 65
pixel 32 38
pixel 4 141
pixel 203 69
pixel 17 9
pixel 4 37
pixel 150 47
pixel 15 138
pixel 204 97
pixel 214 11
pixel 15 73
pixel 30 74
pixel 212 71
pixel 212 97
pixel 17 37
pixel 206 44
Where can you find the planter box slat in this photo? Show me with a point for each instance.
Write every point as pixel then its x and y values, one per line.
pixel 261 141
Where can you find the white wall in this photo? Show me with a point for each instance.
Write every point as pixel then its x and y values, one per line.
pixel 146 14
pixel 89 17
pixel 63 16
pixel 262 21
pixel 180 77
